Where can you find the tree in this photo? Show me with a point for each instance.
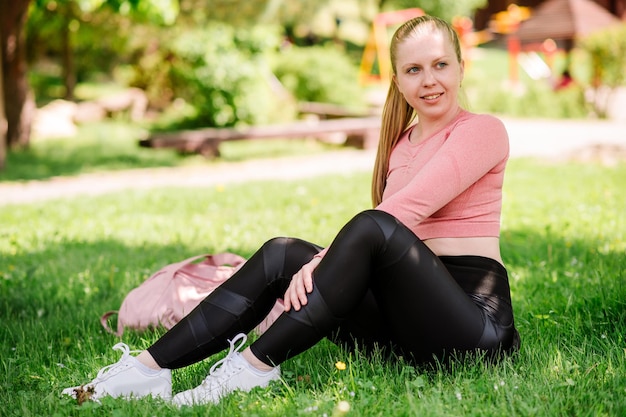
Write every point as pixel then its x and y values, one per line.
pixel 3 121
pixel 17 100
pixel 62 27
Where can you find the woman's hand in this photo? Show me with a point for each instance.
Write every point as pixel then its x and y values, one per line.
pixel 301 284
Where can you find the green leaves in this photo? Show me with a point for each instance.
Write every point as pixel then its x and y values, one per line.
pixel 607 50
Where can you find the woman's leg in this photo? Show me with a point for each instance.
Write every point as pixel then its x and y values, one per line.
pixel 236 306
pixel 425 309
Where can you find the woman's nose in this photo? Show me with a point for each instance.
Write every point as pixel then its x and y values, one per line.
pixel 429 78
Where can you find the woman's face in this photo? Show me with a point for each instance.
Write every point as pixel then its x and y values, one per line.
pixel 428 74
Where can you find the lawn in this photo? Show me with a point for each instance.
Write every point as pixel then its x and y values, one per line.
pixel 65 262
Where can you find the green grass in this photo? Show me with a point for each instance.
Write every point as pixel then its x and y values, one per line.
pixel 64 262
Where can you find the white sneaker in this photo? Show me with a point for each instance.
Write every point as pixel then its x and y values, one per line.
pixel 126 379
pixel 234 374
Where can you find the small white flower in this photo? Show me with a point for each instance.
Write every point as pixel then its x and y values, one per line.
pixel 458 396
pixel 343 407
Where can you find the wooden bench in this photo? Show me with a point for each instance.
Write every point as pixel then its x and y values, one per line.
pixel 333 111
pixel 360 132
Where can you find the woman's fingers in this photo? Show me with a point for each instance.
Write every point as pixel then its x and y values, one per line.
pixel 301 284
pixel 295 296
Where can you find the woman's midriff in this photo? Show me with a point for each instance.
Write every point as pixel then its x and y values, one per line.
pixel 488 247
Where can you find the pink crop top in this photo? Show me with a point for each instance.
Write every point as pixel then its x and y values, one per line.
pixel 450 184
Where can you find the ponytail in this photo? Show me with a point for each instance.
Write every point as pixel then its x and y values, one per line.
pixel 397 116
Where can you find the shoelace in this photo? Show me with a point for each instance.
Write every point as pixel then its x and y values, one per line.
pixel 217 373
pixel 114 368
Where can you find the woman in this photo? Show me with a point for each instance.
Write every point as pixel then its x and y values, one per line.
pixel 420 275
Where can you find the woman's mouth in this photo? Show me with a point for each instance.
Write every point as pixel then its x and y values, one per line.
pixel 432 96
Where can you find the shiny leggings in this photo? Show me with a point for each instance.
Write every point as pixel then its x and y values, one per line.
pixel 377 285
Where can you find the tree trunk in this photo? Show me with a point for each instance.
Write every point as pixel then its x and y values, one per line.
pixel 3 121
pixel 18 101
pixel 69 72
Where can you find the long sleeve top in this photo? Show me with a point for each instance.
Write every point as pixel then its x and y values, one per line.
pixel 450 184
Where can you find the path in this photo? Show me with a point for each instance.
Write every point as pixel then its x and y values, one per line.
pixel 532 138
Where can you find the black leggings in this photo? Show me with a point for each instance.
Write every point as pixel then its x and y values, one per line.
pixel 378 284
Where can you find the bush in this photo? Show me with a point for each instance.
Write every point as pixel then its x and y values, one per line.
pixel 319 73
pixel 489 90
pixel 225 75
pixel 606 53
pixel 535 100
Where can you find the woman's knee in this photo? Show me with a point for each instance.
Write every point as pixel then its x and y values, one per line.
pixel 286 255
pixel 275 245
pixel 372 223
pixel 286 246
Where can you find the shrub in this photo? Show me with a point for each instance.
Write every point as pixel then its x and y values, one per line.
pixel 489 90
pixel 319 73
pixel 606 52
pixel 224 74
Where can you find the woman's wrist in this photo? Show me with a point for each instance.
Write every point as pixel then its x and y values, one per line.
pixel 320 254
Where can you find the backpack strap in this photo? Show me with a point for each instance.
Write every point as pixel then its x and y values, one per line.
pixel 104 321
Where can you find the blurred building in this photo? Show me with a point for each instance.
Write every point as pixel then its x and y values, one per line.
pixel 482 16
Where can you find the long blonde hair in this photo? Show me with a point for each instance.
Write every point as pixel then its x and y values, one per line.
pixel 397 113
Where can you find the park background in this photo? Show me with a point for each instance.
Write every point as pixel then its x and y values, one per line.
pixel 68 253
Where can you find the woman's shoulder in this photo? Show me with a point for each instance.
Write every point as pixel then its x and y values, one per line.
pixel 482 124
pixel 484 119
pixel 483 130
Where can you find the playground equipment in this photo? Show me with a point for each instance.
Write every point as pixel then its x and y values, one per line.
pixel 377 46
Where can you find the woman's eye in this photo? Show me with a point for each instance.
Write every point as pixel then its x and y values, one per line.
pixel 413 70
pixel 442 64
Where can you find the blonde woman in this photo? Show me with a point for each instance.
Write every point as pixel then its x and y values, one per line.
pixel 419 275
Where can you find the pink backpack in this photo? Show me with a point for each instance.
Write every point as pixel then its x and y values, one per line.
pixel 175 290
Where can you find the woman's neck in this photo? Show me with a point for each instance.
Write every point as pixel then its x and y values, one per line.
pixel 428 127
